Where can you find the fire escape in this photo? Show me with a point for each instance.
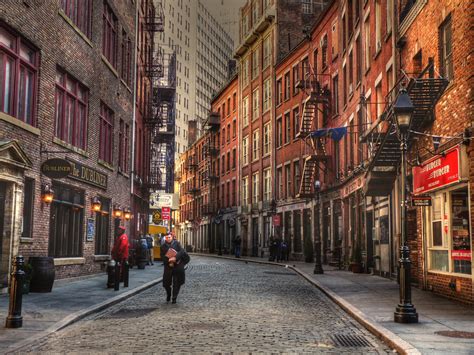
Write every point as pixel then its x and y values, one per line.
pixel 315 155
pixel 383 143
pixel 211 152
pixel 160 115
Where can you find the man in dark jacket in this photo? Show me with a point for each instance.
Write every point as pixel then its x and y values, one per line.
pixel 173 272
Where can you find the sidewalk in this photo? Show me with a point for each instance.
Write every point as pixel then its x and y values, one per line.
pixel 372 300
pixel 70 300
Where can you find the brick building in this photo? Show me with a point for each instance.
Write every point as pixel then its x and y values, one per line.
pixel 67 91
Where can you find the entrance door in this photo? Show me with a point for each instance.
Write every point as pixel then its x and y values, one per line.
pixel 370 238
pixel 4 242
pixel 255 237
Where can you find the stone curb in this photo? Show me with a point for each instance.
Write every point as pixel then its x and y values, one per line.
pixel 378 330
pixel 77 316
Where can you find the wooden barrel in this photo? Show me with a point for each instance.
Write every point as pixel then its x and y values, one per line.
pixel 42 277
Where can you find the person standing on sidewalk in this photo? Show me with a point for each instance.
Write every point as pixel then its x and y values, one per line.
pixel 173 273
pixel 120 250
pixel 150 243
pixel 237 242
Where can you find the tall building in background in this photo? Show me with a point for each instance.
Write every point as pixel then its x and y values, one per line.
pixel 203 50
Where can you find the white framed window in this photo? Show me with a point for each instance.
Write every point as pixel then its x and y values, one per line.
pixel 267 52
pixel 267 95
pixel 255 66
pixel 245 191
pixel 255 145
pixel 255 104
pixel 245 111
pixel 255 189
pixel 245 71
pixel 267 185
pixel 266 139
pixel 245 150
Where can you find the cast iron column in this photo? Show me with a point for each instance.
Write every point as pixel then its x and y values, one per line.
pixel 14 318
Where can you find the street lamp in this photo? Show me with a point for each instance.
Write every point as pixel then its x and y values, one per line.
pixel 318 267
pixel 405 312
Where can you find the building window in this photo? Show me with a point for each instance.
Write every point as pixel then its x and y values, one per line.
pixel 266 139
pixel 79 11
pixel 245 71
pixel 378 25
pixel 234 191
pixel 279 92
pixel 124 137
pixel 334 40
pixel 106 120
pixel 245 111
pixel 305 68
pixel 280 183
pixel 307 6
pixel 234 102
pixel 71 110
pixel 446 49
pixel 296 121
pixel 126 70
pixel 389 16
pixel 228 161
pixel 367 43
pixel 287 86
pixel 267 52
pixel 288 180
pixel 287 128
pixel 18 77
pixel 109 35
pixel 358 59
pixel 255 101
pixel 255 146
pixel 223 136
pixel 296 170
pixel 245 150
pixel 228 106
pixel 228 133
pixel 66 222
pixel 267 185
pixel 267 96
pixel 335 94
pixel 296 79
pixel 245 191
pixel 324 52
pixel 28 205
pixel 234 158
pixel 279 132
pixel 234 128
pixel 255 12
pixel 255 68
pixel 102 228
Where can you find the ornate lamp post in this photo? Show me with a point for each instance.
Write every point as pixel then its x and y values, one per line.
pixel 318 267
pixel 405 312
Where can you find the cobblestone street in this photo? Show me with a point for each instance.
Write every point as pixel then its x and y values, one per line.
pixel 225 306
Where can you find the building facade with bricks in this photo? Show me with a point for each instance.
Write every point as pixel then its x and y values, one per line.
pixel 67 92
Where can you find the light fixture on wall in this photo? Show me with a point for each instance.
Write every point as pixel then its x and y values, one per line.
pixel 96 204
pixel 117 211
pixel 127 214
pixel 47 194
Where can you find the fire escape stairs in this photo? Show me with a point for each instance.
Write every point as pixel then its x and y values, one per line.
pixel 308 117
pixel 382 170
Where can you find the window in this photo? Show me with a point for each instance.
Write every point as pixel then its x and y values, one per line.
pixel 126 69
pixel 267 52
pixel 280 183
pixel 287 128
pixel 18 77
pixel 234 191
pixel 305 68
pixel 255 11
pixel 255 189
pixel 315 61
pixel 288 181
pixel 378 26
pixel 106 120
pixel 255 68
pixel 79 11
pixel 267 96
pixel 287 86
pixel 28 205
pixel 228 133
pixel 245 71
pixel 379 100
pixel 245 191
pixel 296 79
pixel 255 101
pixel 124 138
pixel 234 158
pixel 307 6
pixel 228 161
pixel 102 228
pixel 344 87
pixel 255 146
pixel 334 40
pixel 336 159
pixel 324 52
pixel 335 94
pixel 351 73
pixel 367 43
pixel 223 136
pixel 234 128
pixel 296 121
pixel 245 111
pixel 266 139
pixel 360 131
pixel 389 16
pixel 234 102
pixel 446 49
pixel 279 92
pixel 109 35
pixel 223 164
pixel 358 59
pixel 245 150
pixel 66 222
pixel 267 185
pixel 228 106
pixel 71 110
pixel 245 26
pixel 297 179
pixel 279 133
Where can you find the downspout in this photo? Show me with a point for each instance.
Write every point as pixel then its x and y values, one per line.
pixel 134 108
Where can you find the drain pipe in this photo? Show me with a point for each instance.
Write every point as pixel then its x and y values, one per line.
pixel 134 109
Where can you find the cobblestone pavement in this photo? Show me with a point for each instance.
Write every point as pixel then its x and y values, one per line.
pixel 225 306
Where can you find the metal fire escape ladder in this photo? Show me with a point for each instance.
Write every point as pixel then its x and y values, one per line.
pixel 384 144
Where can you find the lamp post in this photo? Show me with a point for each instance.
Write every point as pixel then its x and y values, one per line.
pixel 318 267
pixel 405 312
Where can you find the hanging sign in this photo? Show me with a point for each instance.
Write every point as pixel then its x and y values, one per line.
pixel 166 213
pixel 437 172
pixel 56 168
pixel 156 217
pixel 421 201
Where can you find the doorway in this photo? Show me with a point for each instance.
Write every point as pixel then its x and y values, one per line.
pixel 255 236
pixel 4 241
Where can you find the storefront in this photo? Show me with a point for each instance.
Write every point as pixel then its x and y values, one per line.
pixel 442 184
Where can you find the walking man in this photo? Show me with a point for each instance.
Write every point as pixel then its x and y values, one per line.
pixel 237 242
pixel 173 273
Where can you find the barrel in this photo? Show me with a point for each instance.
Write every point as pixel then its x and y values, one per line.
pixel 42 276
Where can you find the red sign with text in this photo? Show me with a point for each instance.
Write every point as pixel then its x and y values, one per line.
pixel 461 255
pixel 276 220
pixel 436 172
pixel 165 213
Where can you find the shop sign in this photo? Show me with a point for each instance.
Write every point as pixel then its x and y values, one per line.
pixel 421 201
pixel 87 175
pixel 161 199
pixel 156 217
pixel 461 255
pixel 352 187
pixel 437 172
pixel 56 168
pixel 276 220
pixel 166 213
pixel 90 229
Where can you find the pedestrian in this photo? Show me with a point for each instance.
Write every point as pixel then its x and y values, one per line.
pixel 174 258
pixel 237 242
pixel 150 244
pixel 120 250
pixel 284 250
pixel 278 250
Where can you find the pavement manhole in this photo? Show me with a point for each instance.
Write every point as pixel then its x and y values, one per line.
pixel 279 273
pixel 130 313
pixel 349 340
pixel 456 334
pixel 202 326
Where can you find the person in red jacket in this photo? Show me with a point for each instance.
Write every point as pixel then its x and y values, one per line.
pixel 121 245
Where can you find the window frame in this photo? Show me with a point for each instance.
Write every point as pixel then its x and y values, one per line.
pixel 109 34
pixel 85 26
pixel 106 133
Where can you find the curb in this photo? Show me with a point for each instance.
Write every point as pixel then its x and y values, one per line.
pixel 77 316
pixel 376 329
